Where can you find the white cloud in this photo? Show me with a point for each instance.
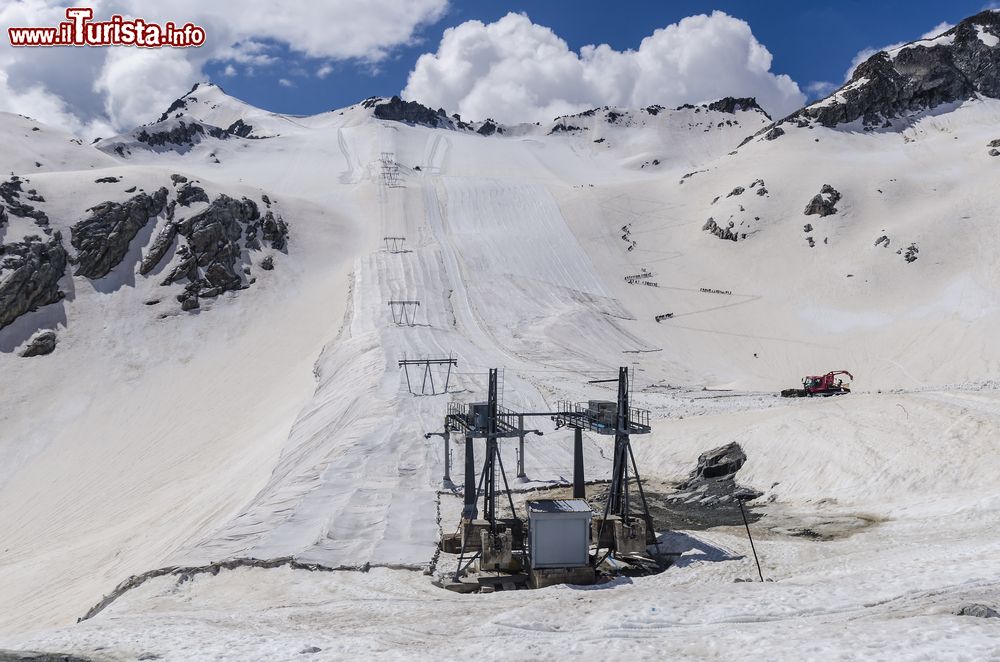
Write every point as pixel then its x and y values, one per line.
pixel 515 70
pixel 91 90
pixel 866 53
pixel 230 70
pixel 325 70
pixel 820 88
pixel 284 82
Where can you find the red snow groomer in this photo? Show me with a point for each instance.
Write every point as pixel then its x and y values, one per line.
pixel 824 385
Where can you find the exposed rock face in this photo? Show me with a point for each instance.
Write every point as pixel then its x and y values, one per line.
pixel 211 257
pixel 720 232
pixel 178 179
pixel 714 476
pixel 824 203
pixel 241 129
pixel 10 192
pixel 409 111
pixel 736 191
pixel 953 67
pixel 275 231
pixel 488 128
pixel 159 248
pixel 42 343
pixel 189 194
pixel 733 104
pixel 181 134
pixel 29 275
pixel 107 180
pixel 911 253
pixel 774 133
pixel 102 240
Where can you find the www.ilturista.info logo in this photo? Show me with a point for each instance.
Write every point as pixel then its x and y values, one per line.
pixel 80 30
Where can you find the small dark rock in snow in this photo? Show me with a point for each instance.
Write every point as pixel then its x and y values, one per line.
pixel 883 240
pixel 178 179
pixel 107 180
pixel 824 203
pixel 911 253
pixel 131 189
pixel 979 611
pixel 994 152
pixel 736 191
pixel 308 650
pixel 807 227
pixel 42 343
pixel 190 303
pixel 267 263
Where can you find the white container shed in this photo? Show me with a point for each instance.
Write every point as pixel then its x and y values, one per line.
pixel 559 533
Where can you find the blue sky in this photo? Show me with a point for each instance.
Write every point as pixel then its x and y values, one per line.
pixel 810 41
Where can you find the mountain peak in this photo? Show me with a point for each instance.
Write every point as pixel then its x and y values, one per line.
pixel 956 65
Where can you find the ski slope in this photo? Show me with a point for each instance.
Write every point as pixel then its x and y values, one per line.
pixel 277 424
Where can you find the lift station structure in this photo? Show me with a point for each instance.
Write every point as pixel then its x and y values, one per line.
pixel 500 544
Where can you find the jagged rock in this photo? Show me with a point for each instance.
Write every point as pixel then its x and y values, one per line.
pixel 186 268
pixel 10 192
pixel 266 200
pixel 911 253
pixel 994 143
pixel 180 134
pixel 916 77
pixel 824 203
pixel 159 248
pixel 178 179
pixel 811 241
pixel 102 240
pixel 721 233
pixel 563 127
pixel 267 263
pixel 994 152
pixel 189 194
pixel 171 206
pixel 29 275
pixel 732 104
pixel 42 343
pixel 190 303
pixel 882 240
pixel 107 180
pixel 131 189
pixel 774 133
pixel 275 231
pixel 736 191
pixel 3 216
pixel 241 129
pixel 409 111
pixel 488 128
pixel 807 227
pixel 978 610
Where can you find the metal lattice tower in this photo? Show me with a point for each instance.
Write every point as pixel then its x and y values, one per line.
pixel 390 169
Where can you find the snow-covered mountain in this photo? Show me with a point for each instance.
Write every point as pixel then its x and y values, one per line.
pixel 211 367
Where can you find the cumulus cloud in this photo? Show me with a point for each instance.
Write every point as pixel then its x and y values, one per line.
pixel 97 91
pixel 515 70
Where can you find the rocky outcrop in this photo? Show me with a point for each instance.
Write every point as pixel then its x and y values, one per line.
pixel 160 246
pixel 720 232
pixel 178 133
pixel 10 193
pixel 714 477
pixel 211 257
pixel 410 112
pixel 823 203
pixel 29 275
pixel 732 104
pixel 102 240
pixel 954 66
pixel 42 343
pixel 189 194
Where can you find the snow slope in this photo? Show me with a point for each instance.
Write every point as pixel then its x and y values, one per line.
pixel 276 422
